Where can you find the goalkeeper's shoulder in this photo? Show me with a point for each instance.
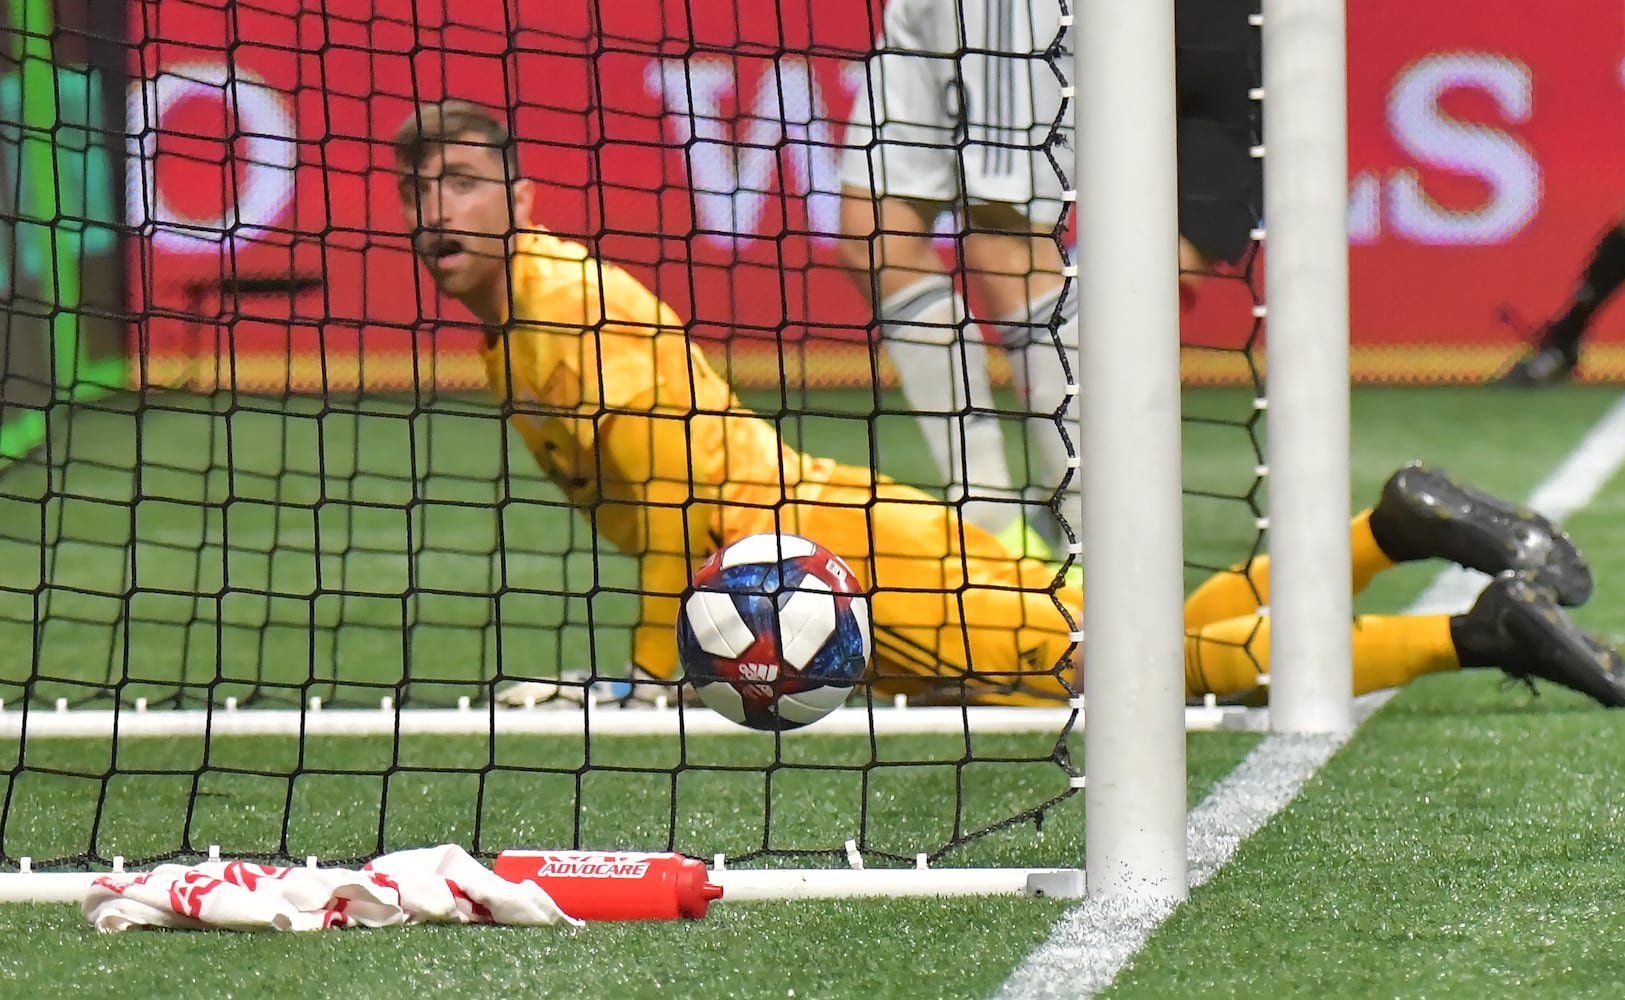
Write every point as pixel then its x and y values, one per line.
pixel 569 275
pixel 542 255
pixel 545 266
pixel 543 245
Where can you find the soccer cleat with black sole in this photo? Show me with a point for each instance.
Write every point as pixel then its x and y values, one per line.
pixel 1518 626
pixel 1434 515
pixel 1540 367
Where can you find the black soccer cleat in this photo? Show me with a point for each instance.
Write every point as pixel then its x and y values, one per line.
pixel 1542 366
pixel 1518 626
pixel 1425 513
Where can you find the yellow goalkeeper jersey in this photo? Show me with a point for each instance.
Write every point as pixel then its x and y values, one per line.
pixel 634 425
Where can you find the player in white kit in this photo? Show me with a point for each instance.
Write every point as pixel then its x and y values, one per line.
pixel 960 114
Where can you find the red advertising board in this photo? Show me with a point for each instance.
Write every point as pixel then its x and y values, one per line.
pixel 693 140
pixel 1487 154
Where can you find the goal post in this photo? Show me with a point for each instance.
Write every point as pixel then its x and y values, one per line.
pixel 1128 231
pixel 1307 300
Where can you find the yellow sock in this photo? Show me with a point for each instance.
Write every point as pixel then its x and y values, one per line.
pixel 1240 591
pixel 1227 658
pixel 1367 559
pixel 1393 650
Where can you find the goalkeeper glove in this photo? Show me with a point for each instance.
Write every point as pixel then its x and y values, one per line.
pixel 629 688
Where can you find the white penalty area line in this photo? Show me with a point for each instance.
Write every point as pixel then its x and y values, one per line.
pixel 1095 940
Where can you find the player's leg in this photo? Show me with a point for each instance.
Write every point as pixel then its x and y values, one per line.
pixel 898 174
pixel 1516 625
pixel 1220 181
pixel 1015 264
pixel 1220 201
pixel 1423 513
pixel 1557 349
pixel 1015 164
pixel 940 358
pixel 1245 589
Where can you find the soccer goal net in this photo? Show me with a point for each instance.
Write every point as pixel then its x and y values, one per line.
pixel 264 601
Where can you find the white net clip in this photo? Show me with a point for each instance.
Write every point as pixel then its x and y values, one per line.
pixel 854 859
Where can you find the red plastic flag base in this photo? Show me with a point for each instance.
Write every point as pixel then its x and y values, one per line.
pixel 596 885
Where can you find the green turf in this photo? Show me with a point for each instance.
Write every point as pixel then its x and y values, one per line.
pixel 868 948
pixel 224 561
pixel 1458 847
pixel 239 510
pixel 352 797
pixel 1466 844
pixel 205 548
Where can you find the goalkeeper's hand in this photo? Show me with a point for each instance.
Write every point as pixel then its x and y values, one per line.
pixel 628 688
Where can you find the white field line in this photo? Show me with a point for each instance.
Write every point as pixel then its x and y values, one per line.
pixel 1094 941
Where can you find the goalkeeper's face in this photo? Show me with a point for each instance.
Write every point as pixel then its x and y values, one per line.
pixel 461 206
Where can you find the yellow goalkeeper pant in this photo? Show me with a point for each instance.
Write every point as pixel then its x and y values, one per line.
pixel 956 617
pixel 953 614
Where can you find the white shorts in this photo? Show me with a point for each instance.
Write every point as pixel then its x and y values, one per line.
pixel 958 105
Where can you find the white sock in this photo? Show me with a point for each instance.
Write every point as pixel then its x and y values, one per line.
pixel 1041 378
pixel 942 366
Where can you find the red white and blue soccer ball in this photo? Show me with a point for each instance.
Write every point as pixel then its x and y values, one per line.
pixel 774 632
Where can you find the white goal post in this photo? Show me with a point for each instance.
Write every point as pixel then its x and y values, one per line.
pixel 1124 72
pixel 1133 522
pixel 1306 287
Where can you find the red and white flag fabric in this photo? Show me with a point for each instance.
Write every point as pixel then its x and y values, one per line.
pixel 430 885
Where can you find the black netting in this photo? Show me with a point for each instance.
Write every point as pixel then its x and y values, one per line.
pixel 298 504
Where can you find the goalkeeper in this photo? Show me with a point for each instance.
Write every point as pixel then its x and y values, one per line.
pixel 653 448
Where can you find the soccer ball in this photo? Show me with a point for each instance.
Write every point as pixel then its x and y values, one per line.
pixel 773 632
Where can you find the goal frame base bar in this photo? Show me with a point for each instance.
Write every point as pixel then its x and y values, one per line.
pixel 738 885
pixel 843 883
pixel 576 720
